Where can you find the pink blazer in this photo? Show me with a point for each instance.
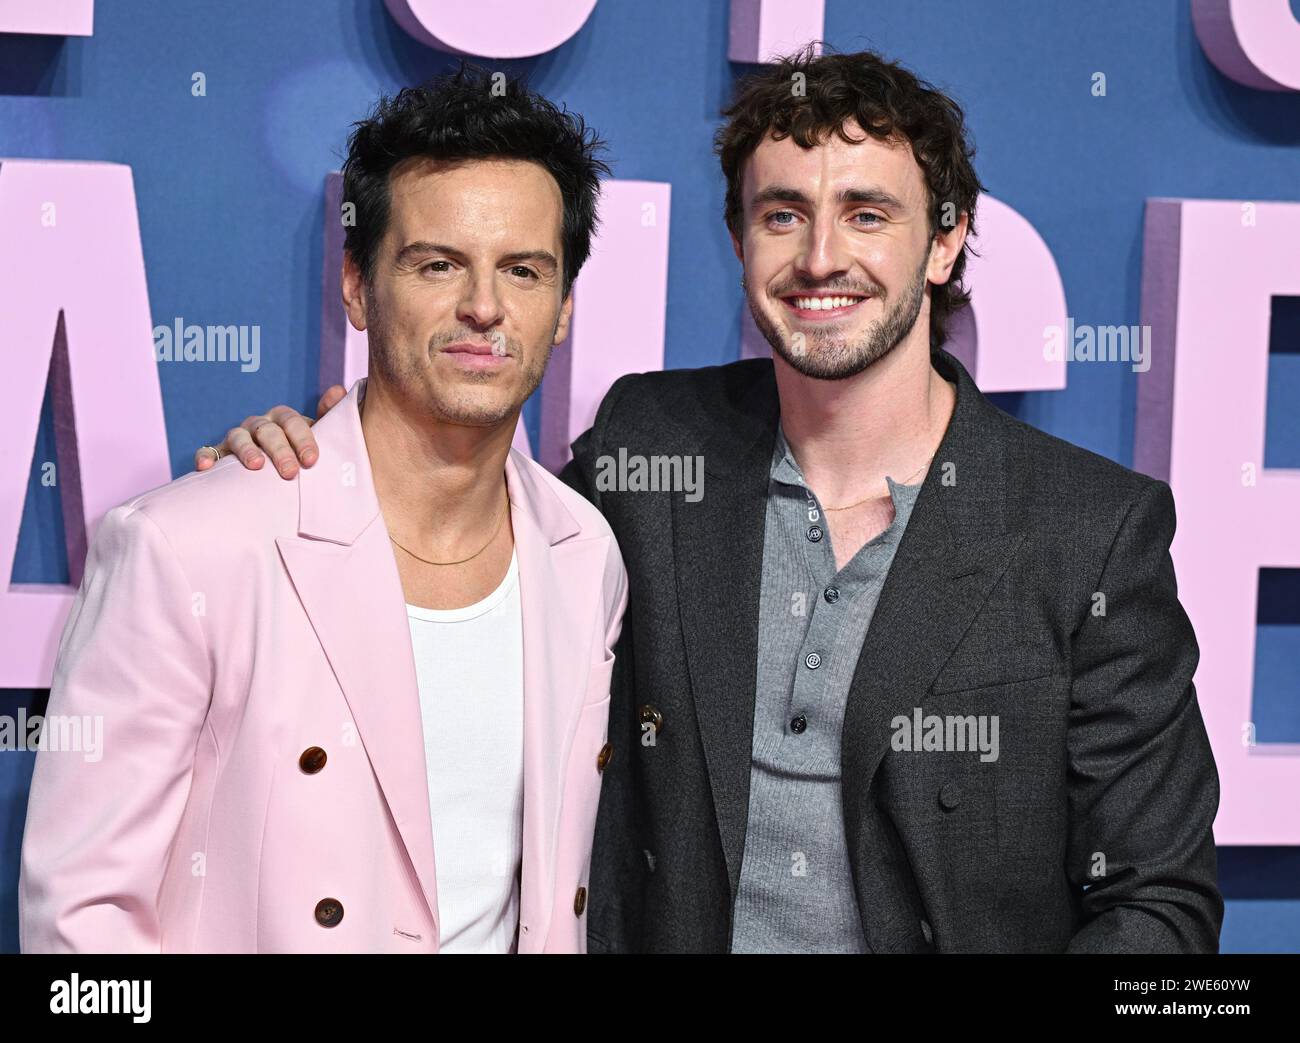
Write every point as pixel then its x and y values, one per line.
pixel 230 622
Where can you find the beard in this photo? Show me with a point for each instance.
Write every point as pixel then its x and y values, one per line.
pixel 828 354
pixel 476 399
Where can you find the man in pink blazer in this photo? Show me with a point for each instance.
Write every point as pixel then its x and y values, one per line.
pixel 365 710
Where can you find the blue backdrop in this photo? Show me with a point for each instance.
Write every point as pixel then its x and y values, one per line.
pixel 230 194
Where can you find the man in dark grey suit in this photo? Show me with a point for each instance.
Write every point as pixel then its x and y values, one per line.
pixel 1090 831
pixel 901 673
pixel 968 727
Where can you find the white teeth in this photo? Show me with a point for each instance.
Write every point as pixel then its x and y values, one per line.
pixel 824 303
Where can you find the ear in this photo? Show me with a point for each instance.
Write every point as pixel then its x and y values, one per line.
pixel 945 248
pixel 737 247
pixel 566 313
pixel 353 289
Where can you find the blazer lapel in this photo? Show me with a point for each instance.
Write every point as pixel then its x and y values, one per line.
pixel 718 550
pixel 560 596
pixel 342 567
pixel 353 596
pixel 955 548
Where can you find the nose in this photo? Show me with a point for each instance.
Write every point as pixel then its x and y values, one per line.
pixel 822 253
pixel 480 306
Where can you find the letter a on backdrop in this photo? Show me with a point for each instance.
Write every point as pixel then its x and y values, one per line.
pixel 74 307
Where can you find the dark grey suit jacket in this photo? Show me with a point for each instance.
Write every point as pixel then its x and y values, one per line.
pixel 1091 832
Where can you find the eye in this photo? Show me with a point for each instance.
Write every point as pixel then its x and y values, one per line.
pixel 523 271
pixel 432 266
pixel 772 218
pixel 876 219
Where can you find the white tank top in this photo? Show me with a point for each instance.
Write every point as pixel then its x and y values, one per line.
pixel 469 665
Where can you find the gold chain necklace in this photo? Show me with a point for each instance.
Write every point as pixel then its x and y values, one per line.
pixel 866 498
pixel 462 561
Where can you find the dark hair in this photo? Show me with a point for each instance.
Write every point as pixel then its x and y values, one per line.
pixel 886 100
pixel 471 113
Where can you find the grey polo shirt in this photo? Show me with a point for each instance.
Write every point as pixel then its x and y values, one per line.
pixel 796 892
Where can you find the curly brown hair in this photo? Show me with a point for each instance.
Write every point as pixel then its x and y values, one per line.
pixel 887 101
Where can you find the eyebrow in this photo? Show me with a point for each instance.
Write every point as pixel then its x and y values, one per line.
pixel 408 253
pixel 787 194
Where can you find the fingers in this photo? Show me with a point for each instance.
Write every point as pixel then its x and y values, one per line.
pixel 240 443
pixel 283 434
pixel 296 429
pixel 265 432
pixel 332 397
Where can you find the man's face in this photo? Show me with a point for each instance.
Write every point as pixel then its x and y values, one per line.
pixel 836 250
pixel 465 304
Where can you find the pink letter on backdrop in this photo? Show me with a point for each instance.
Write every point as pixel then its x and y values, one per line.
pixel 75 306
pixel 1016 293
pixel 48 17
pixel 1209 270
pixel 615 329
pixel 492 28
pixel 763 29
pixel 1255 42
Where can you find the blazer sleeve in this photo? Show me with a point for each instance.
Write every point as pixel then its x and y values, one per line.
pixel 1143 788
pixel 133 666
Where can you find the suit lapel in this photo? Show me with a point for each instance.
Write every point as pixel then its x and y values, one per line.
pixel 343 569
pixel 560 596
pixel 718 548
pixel 956 547
pixel 353 597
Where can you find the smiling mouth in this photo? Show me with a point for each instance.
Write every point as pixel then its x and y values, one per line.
pixel 823 305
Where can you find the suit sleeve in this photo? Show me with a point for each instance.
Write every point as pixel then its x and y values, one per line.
pixel 134 669
pixel 1143 785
